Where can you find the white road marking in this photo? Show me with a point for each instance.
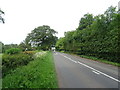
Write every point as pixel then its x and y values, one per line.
pixel 95 70
pixel 70 59
pixel 73 61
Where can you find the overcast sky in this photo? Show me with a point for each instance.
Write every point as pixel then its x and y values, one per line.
pixel 22 16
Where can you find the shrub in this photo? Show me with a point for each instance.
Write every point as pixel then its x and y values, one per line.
pixel 13 51
pixel 39 73
pixel 13 61
pixel 62 51
pixel 29 52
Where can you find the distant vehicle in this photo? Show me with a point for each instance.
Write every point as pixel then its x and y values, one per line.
pixel 53 49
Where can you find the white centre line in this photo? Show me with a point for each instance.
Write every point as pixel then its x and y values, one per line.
pixel 94 70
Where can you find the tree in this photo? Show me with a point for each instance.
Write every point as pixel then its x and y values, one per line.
pixel 85 21
pixel 4 47
pixel 60 44
pixel 23 46
pixel 1 47
pixel 42 37
pixel 98 36
pixel 1 18
pixel 68 43
pixel 110 14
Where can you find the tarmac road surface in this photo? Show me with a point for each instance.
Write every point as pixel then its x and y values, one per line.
pixel 77 72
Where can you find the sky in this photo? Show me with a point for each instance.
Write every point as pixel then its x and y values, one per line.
pixel 22 16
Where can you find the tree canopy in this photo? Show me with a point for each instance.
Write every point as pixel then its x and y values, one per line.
pixel 42 37
pixel 85 21
pixel 97 36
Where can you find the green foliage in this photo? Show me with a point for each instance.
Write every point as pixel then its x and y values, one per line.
pixel 39 73
pixel 8 46
pixel 97 36
pixel 25 46
pixel 1 45
pixel 62 51
pixel 60 44
pixel 42 37
pixel 13 51
pixel 102 60
pixel 10 62
pixel 86 21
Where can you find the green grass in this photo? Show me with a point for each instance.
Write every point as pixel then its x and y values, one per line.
pixel 39 73
pixel 101 60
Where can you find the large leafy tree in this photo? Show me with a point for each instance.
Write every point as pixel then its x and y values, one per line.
pixel 97 36
pixel 85 21
pixel 42 37
pixel 110 14
pixel 69 40
pixel 1 18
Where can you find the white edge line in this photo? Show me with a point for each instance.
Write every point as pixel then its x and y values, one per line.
pixel 99 72
pixel 96 72
pixel 91 68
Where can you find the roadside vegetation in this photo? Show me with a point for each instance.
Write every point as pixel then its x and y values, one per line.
pixel 13 59
pixel 96 36
pixel 30 63
pixel 101 60
pixel 38 72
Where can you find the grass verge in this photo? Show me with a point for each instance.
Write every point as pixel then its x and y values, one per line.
pixel 101 60
pixel 39 73
pixel 96 59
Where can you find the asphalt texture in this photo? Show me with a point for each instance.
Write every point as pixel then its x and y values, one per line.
pixel 76 72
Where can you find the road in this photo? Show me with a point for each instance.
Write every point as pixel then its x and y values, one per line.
pixel 76 72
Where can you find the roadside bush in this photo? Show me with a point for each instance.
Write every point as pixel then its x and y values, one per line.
pixel 13 51
pixel 13 61
pixel 62 51
pixel 29 52
pixel 39 73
